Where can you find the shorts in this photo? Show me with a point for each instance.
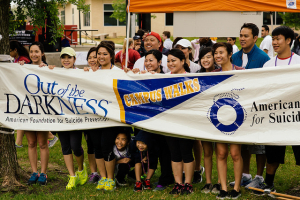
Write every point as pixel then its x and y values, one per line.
pixel 276 154
pixel 254 149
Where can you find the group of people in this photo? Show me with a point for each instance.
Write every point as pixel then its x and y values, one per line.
pixel 117 152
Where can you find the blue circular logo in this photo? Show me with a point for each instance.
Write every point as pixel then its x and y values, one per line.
pixel 240 115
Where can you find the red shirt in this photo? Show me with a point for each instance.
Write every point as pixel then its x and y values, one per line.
pixel 26 59
pixel 133 56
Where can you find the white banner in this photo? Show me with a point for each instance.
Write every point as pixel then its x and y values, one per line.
pixel 259 106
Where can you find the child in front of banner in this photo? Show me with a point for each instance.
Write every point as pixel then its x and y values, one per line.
pixel 145 157
pixel 282 38
pixel 71 140
pixel 222 55
pixel 181 149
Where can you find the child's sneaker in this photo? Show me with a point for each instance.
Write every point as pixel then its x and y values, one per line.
pixel 94 178
pixel 83 175
pixel 177 189
pixel 121 181
pixel 187 189
pixel 198 175
pixel 73 182
pixel 233 194
pixel 42 179
pixel 52 142
pixel 138 187
pixel 110 185
pixel 216 188
pixel 223 195
pixel 33 178
pixel 147 185
pixel 207 188
pixel 101 183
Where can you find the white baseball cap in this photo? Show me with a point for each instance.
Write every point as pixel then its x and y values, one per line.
pixel 184 43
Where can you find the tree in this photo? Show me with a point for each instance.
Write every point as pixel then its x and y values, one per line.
pixel 291 19
pixel 38 11
pixel 119 10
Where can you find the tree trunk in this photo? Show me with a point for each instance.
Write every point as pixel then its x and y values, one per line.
pixel 4 26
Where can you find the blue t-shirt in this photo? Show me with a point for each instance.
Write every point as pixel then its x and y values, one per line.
pixel 256 58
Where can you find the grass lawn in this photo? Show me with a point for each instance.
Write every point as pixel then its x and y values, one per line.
pixel 287 178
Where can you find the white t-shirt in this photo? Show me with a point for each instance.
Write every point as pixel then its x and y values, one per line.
pixel 140 64
pixel 234 49
pixel 267 44
pixel 194 67
pixel 281 62
pixel 114 68
pixel 168 44
pixel 245 60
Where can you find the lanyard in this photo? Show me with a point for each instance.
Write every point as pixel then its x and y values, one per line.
pixel 18 59
pixel 232 68
pixel 289 60
pixel 148 161
pixel 127 156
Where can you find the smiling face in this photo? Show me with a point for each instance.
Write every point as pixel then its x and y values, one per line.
pixel 141 146
pixel 67 61
pixel 151 63
pixel 175 65
pixel 151 42
pixel 247 40
pixel 92 59
pixel 121 141
pixel 280 44
pixel 185 50
pixel 221 56
pixel 230 41
pixel 137 42
pixel 103 57
pixel 207 61
pixel 35 54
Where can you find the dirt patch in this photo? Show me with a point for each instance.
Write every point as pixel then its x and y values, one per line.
pixel 294 191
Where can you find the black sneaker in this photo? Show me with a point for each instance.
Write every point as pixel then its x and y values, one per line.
pixel 216 188
pixel 187 189
pixel 121 182
pixel 176 189
pixel 207 188
pixel 138 187
pixel 267 190
pixel 223 195
pixel 198 176
pixel 233 194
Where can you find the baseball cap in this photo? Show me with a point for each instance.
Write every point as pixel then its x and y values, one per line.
pixel 136 37
pixel 69 51
pixel 184 43
pixel 158 37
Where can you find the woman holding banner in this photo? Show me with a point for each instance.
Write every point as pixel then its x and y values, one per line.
pixel 222 55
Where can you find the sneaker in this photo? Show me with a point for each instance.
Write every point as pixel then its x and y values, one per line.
pixel 147 185
pixel 177 189
pixel 42 179
pixel 223 195
pixel 18 146
pixel 216 188
pixel 267 190
pixel 245 181
pixel 33 178
pixel 207 188
pixel 160 188
pixel 110 185
pixel 73 182
pixel 198 175
pixel 83 175
pixel 256 182
pixel 187 189
pixel 101 183
pixel 94 178
pixel 52 142
pixel 121 182
pixel 233 194
pixel 138 187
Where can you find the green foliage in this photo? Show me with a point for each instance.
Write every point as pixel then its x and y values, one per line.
pixel 291 19
pixel 119 10
pixel 37 12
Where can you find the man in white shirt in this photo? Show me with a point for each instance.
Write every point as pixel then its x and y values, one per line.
pixel 232 40
pixel 282 38
pixel 151 41
pixel 266 44
pixel 167 41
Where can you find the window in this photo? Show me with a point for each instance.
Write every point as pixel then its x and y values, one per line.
pixel 108 21
pixel 169 19
pixel 62 16
pixel 87 19
pixel 277 20
pixel 72 16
